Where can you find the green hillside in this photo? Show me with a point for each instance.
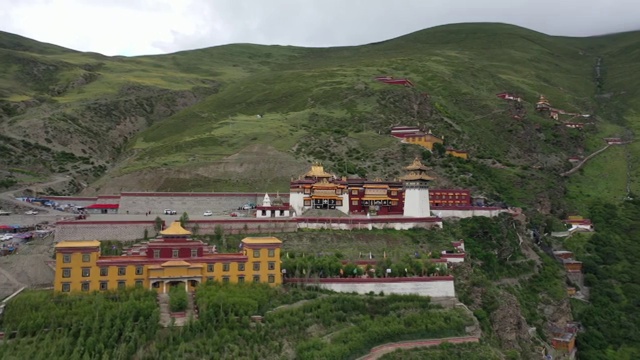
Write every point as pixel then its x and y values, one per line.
pixel 189 120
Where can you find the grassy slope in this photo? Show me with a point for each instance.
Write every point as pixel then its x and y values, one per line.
pixel 462 67
pixel 322 104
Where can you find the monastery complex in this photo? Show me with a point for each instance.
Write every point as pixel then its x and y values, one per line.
pixel 316 200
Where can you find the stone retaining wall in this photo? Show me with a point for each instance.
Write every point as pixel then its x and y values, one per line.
pixel 192 203
pixel 133 230
pixel 103 230
pixel 434 286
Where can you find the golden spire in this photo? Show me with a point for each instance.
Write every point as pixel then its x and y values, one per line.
pixel 175 229
pixel 317 170
pixel 416 171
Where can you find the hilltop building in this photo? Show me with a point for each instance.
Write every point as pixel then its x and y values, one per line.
pixel 393 81
pixel 543 104
pixel 413 135
pixel 508 96
pixel 457 153
pixel 173 259
pixel 614 141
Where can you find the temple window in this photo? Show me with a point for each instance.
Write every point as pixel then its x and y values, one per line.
pixel 122 271
pixel 104 285
pixel 240 279
pixel 272 279
pixel 272 252
pixel 66 273
pixel 225 279
pixel 256 278
pixel 194 253
pixel 139 270
pixel 256 266
pixel 66 287
pixel 209 267
pixel 156 253
pixel 85 286
pixel 66 258
pixel 272 265
pixel 307 191
pixel 240 266
pixel 86 272
pixel 354 192
pixel 175 253
pixel 225 267
pixel 86 257
pixel 354 202
pixel 104 271
pixel 256 253
pixel 121 284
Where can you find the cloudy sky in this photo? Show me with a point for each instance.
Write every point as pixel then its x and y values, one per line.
pixel 136 27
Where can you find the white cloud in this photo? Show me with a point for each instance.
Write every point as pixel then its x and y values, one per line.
pixel 134 27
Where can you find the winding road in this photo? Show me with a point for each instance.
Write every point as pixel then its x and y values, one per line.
pixel 8 196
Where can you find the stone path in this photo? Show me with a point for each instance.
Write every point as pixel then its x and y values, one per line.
pixel 165 313
pixel 378 351
pixel 163 302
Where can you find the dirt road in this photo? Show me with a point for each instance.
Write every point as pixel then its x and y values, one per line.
pixel 9 197
pixel 28 267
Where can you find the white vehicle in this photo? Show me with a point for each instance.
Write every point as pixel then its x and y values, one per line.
pixel 31 212
pixel 6 213
pixel 170 212
pixel 208 213
pixel 6 237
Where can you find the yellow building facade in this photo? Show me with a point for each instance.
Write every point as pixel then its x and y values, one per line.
pixel 174 259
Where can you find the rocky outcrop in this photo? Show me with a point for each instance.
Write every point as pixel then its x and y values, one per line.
pixel 509 325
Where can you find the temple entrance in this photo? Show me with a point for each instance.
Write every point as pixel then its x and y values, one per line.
pixel 164 286
pixel 175 283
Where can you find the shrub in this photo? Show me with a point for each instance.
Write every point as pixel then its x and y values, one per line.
pixel 177 299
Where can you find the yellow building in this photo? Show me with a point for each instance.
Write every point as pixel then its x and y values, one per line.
pixel 425 140
pixel 174 259
pixel 457 153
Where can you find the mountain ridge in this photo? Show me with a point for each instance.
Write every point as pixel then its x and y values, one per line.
pixel 192 114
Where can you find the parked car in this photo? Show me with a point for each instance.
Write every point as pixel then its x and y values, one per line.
pixel 170 212
pixel 6 237
pixel 208 213
pixel 6 213
pixel 31 212
pixel 247 206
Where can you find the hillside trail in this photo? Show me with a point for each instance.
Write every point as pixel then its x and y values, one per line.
pixel 8 196
pixel 474 333
pixel 584 161
pixel 378 351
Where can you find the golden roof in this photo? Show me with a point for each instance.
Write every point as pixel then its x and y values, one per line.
pixel 543 100
pixel 175 229
pixel 175 263
pixel 415 176
pixel 262 240
pixel 417 171
pixel 317 170
pixel 77 244
pixel 416 165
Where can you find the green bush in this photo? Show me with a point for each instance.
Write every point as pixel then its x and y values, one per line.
pixel 177 299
